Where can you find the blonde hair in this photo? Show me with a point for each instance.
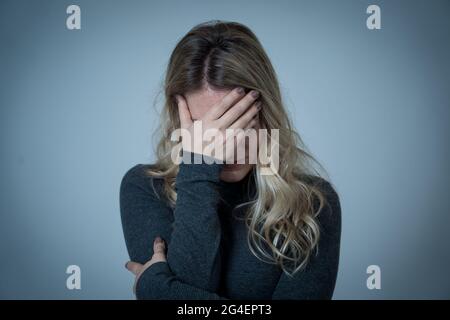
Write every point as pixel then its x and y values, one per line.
pixel 283 215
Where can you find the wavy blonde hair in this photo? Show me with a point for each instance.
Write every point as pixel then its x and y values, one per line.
pixel 282 218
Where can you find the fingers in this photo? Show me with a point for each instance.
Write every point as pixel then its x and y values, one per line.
pixel 159 247
pixel 159 251
pixel 227 102
pixel 134 267
pixel 241 134
pixel 253 123
pixel 183 111
pixel 159 254
pixel 238 109
pixel 247 117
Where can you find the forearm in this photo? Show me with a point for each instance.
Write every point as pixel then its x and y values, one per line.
pixel 191 230
pixel 194 249
pixel 159 283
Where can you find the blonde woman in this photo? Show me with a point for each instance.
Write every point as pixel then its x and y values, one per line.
pixel 224 230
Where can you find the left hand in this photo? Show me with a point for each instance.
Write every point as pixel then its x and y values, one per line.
pixel 159 255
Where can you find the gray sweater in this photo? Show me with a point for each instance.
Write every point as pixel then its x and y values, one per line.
pixel 207 251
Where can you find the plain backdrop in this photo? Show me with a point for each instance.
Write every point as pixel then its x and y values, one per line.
pixel 77 111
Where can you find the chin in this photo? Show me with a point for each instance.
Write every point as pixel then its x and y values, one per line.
pixel 235 173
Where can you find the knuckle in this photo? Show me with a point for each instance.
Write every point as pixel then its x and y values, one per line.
pixel 244 106
pixel 251 112
pixel 157 256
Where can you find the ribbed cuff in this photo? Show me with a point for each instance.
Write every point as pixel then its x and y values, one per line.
pixel 201 167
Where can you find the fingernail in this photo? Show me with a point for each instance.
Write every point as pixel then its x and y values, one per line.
pixel 255 94
pixel 158 239
pixel 240 90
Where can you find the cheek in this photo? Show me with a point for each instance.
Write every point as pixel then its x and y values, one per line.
pixel 197 112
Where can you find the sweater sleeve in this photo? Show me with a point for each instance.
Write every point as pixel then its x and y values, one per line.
pixel 192 230
pixel 317 280
pixel 193 253
pixel 158 282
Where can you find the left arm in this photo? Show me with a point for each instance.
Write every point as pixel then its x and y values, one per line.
pixel 318 279
pixel 155 280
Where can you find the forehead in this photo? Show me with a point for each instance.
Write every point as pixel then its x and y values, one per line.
pixel 199 102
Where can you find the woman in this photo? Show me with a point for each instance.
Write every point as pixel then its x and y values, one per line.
pixel 225 230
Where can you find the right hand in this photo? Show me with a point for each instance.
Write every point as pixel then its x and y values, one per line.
pixel 236 110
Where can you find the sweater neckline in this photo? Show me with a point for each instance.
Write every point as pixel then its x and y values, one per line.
pixel 239 190
pixel 236 184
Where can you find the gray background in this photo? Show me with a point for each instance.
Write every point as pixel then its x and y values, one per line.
pixel 76 111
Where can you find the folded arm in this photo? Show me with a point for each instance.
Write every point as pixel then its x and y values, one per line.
pixel 192 230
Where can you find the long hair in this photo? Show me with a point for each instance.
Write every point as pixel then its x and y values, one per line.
pixel 282 217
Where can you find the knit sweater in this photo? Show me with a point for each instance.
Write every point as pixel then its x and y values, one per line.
pixel 208 255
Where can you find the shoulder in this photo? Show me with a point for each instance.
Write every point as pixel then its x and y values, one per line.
pixel 138 179
pixel 329 216
pixel 323 185
pixel 327 189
